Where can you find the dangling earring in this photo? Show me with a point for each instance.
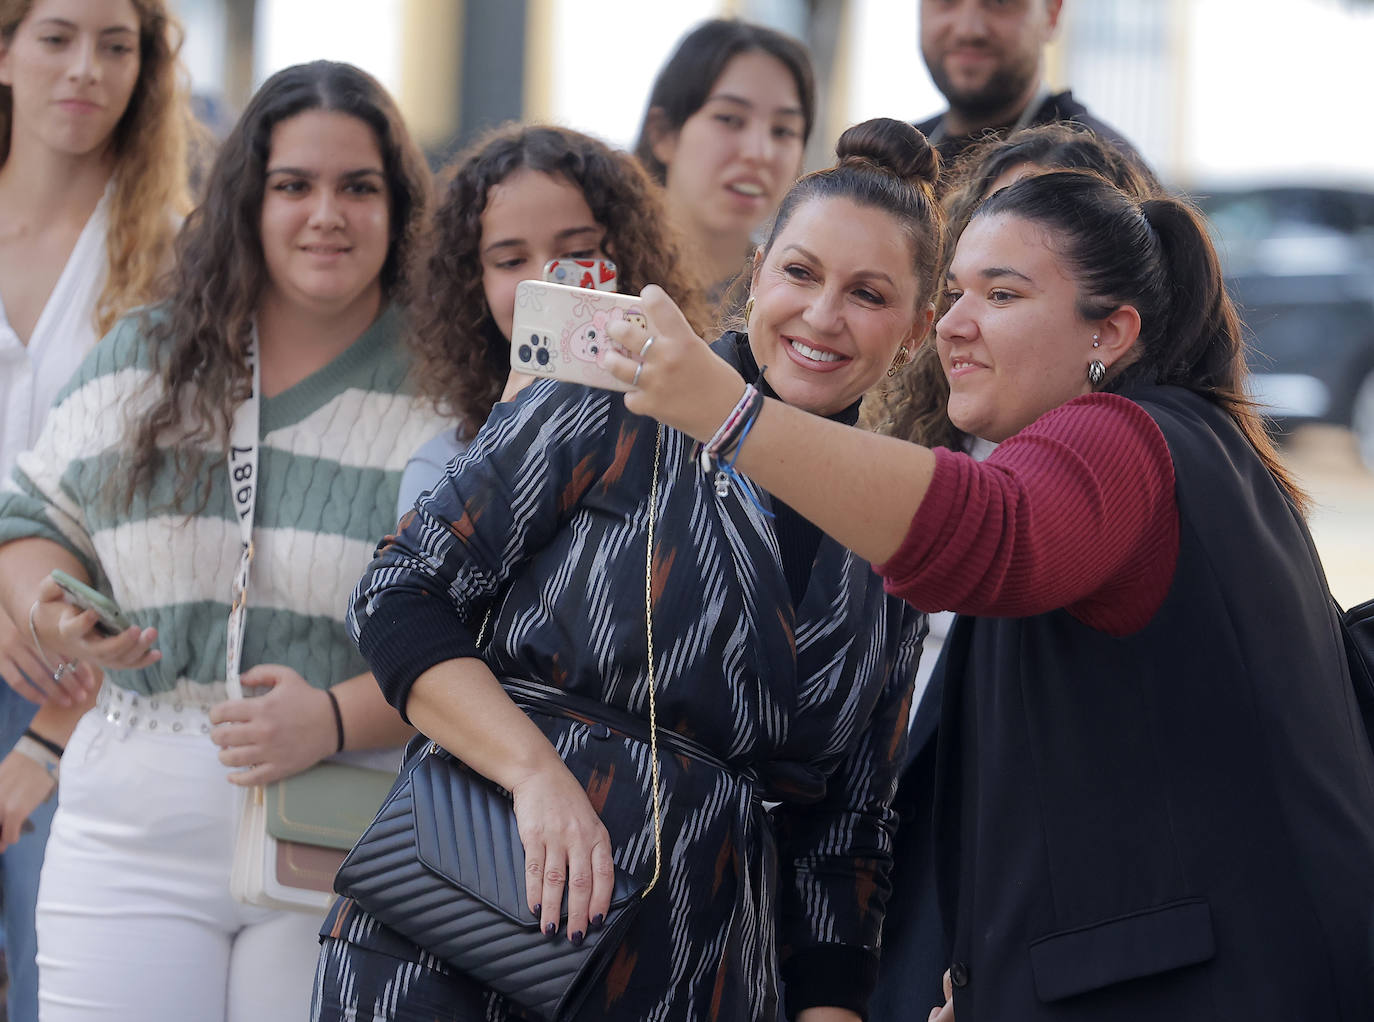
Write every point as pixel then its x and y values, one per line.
pixel 1097 372
pixel 900 359
pixel 748 308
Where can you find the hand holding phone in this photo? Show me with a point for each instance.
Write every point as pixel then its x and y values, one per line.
pixel 559 332
pixel 109 619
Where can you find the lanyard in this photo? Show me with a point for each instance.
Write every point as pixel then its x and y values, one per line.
pixel 243 490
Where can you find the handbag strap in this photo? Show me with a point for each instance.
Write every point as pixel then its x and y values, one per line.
pixel 649 635
pixel 243 490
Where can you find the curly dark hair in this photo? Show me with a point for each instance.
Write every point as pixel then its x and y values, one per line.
pixel 199 337
pixel 462 358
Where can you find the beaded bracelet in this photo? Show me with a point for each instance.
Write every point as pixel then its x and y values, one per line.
pixel 713 446
pixel 728 443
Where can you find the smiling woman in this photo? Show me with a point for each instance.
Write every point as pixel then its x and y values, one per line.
pixel 326 232
pixel 292 262
pixel 1148 726
pixel 789 667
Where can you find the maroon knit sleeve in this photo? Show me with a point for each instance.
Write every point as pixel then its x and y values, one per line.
pixel 1075 511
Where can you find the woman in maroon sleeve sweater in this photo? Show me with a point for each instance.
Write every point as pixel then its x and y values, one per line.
pixel 1156 795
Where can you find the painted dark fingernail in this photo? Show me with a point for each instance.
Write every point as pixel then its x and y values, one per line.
pixel 538 910
pixel 577 937
pixel 550 929
pixel 598 921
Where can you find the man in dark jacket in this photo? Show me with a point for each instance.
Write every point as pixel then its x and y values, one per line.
pixel 988 59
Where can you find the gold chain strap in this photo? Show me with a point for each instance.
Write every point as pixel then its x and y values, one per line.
pixel 649 634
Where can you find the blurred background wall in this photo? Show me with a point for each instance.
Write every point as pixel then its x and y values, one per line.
pixel 1208 89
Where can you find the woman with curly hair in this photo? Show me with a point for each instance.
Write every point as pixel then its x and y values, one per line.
pixel 518 197
pixel 94 122
pixel 279 339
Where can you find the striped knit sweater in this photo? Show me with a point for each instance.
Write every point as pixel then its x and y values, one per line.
pixel 1077 510
pixel 330 461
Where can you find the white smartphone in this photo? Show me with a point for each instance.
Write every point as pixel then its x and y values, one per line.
pixel 109 619
pixel 559 332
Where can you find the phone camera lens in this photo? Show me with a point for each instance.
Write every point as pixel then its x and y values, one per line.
pixel 525 353
pixel 543 357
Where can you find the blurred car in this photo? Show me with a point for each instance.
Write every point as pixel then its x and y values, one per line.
pixel 1299 261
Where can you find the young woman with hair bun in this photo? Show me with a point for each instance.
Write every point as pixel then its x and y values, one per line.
pixel 776 651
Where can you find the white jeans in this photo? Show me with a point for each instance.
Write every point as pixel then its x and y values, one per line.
pixel 135 919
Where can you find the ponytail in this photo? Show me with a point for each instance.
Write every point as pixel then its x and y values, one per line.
pixel 1156 256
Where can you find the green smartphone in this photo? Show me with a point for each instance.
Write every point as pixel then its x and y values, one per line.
pixel 109 619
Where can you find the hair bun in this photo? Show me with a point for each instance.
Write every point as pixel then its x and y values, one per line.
pixel 890 145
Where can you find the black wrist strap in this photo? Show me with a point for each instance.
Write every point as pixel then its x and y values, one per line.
pixel 47 743
pixel 338 717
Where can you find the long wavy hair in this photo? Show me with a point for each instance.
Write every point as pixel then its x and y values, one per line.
pixel 462 358
pixel 915 404
pixel 199 336
pixel 151 144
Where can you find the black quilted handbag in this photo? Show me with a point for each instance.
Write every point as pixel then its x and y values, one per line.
pixel 442 865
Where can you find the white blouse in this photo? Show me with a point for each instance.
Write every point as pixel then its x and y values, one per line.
pixel 31 375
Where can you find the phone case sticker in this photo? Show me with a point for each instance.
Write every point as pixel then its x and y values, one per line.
pixel 597 274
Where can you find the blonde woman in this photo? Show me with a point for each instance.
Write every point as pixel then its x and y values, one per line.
pixel 94 123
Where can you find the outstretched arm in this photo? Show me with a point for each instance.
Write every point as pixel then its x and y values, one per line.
pixel 860 488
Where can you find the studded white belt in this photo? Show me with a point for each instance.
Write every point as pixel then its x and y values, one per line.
pixel 171 713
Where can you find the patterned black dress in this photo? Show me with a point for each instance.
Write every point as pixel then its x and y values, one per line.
pixel 543 521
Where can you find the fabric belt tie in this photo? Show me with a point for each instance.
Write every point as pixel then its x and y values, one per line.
pixel 559 703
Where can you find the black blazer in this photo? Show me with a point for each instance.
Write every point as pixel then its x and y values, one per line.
pixel 1178 824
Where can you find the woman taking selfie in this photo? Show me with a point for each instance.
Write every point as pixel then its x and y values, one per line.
pixel 289 265
pixel 1151 769
pixel 515 199
pixel 781 671
pixel 916 408
pixel 93 163
pixel 724 133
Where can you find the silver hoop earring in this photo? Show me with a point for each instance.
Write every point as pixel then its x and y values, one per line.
pixel 1097 372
